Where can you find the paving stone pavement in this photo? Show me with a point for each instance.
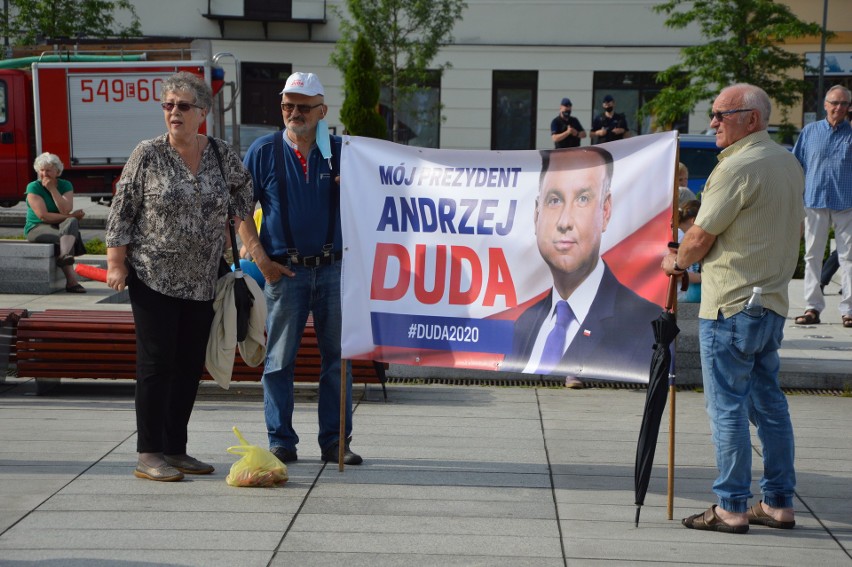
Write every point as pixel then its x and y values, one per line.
pixel 453 476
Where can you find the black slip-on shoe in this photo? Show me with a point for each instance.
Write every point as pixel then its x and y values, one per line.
pixel 284 454
pixel 349 458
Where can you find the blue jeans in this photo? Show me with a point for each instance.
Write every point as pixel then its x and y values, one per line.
pixel 288 302
pixel 740 362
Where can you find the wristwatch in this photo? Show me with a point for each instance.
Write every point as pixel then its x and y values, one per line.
pixel 677 268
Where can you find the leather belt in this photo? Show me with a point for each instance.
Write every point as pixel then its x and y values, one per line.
pixel 309 261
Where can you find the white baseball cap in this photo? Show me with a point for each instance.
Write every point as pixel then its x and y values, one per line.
pixel 303 83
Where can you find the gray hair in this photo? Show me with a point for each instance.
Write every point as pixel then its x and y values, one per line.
pixel 48 159
pixel 756 98
pixel 839 88
pixel 188 82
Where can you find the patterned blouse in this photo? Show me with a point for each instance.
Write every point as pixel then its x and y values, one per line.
pixel 173 223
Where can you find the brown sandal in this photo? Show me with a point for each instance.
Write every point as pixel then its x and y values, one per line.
pixel 811 317
pixel 757 515
pixel 847 321
pixel 714 524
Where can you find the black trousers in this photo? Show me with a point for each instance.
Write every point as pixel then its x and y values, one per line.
pixel 171 340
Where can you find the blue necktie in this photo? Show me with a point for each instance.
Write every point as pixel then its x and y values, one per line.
pixel 555 343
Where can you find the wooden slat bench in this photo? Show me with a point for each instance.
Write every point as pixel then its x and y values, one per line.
pixel 8 335
pixel 60 343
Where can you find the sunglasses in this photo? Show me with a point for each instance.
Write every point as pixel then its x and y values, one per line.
pixel 719 116
pixel 303 108
pixel 182 106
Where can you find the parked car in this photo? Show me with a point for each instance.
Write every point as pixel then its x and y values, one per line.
pixel 698 153
pixel 249 133
pixel 786 140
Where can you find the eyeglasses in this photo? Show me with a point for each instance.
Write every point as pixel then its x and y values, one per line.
pixel 719 116
pixel 838 102
pixel 182 106
pixel 303 108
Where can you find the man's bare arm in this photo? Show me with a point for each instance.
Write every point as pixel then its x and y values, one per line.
pixel 693 248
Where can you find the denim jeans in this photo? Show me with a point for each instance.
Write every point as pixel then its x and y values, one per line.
pixel 288 302
pixel 740 362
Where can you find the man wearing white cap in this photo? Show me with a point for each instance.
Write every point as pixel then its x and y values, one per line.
pixel 298 251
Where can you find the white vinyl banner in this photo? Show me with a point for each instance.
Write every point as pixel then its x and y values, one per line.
pixel 458 258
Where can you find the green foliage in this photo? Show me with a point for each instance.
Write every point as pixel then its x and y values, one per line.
pixel 406 35
pixel 95 246
pixel 27 21
pixel 742 43
pixel 361 83
pixel 799 272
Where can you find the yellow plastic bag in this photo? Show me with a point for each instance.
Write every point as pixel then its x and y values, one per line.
pixel 256 467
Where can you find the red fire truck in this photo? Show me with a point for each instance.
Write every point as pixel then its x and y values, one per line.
pixel 90 114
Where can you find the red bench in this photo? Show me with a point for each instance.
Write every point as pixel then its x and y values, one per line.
pixel 8 331
pixel 60 343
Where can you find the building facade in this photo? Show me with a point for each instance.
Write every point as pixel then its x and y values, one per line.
pixel 512 62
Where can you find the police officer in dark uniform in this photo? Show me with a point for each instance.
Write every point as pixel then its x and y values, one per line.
pixel 609 125
pixel 565 130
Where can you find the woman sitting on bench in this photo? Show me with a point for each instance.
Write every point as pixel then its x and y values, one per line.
pixel 51 218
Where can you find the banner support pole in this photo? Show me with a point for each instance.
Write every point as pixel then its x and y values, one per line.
pixel 341 444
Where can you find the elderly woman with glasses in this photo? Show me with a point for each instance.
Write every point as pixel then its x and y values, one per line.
pixel 165 238
pixel 50 218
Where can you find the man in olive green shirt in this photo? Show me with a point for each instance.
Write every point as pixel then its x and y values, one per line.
pixel 747 234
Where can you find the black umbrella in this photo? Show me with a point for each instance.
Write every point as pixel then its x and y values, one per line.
pixel 660 378
pixel 243 298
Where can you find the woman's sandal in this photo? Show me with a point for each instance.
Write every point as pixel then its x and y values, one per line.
pixel 811 317
pixel 714 524
pixel 757 515
pixel 77 288
pixel 847 321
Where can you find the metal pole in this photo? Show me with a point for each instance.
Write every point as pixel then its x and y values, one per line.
pixel 820 84
pixel 341 445
pixel 672 416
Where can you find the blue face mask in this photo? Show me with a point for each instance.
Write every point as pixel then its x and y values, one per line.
pixel 323 142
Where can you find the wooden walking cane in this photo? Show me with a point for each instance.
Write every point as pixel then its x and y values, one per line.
pixel 671 305
pixel 341 445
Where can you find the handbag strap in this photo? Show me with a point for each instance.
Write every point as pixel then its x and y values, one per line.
pixel 234 250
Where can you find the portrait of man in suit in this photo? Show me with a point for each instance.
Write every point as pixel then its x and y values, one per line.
pixel 589 325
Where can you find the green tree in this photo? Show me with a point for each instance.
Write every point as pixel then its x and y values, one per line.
pixel 742 43
pixel 27 21
pixel 360 112
pixel 406 34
